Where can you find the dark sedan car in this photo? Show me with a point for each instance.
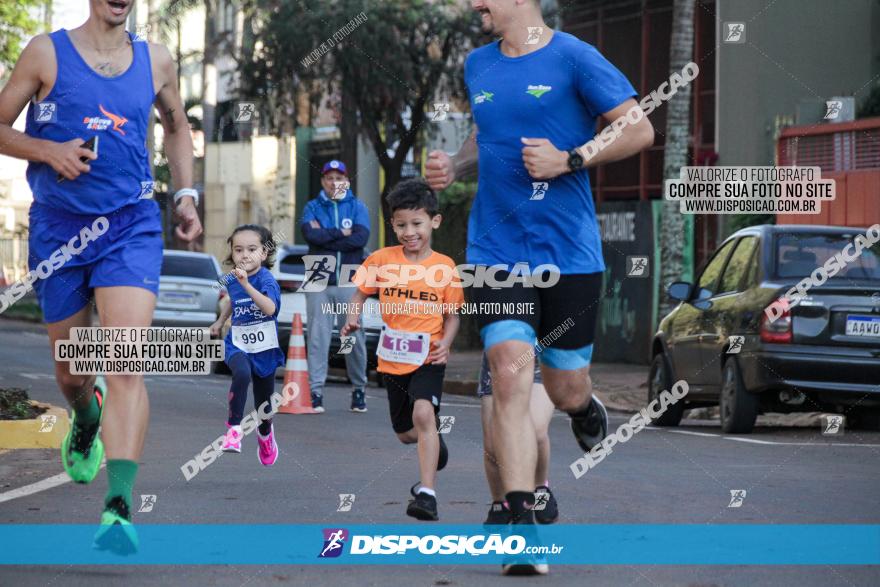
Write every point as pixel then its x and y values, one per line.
pixel 818 353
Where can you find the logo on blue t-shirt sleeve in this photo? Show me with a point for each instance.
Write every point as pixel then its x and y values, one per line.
pixel 46 112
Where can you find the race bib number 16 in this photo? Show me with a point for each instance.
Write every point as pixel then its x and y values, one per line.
pixel 399 346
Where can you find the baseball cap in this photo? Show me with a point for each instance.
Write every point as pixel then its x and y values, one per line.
pixel 334 166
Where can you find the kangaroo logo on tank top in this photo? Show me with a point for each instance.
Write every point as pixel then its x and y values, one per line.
pixel 98 123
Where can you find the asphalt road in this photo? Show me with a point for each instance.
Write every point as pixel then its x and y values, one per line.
pixel 791 475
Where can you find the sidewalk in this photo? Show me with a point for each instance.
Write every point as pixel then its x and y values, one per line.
pixel 621 386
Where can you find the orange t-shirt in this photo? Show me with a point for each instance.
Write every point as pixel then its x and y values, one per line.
pixel 417 305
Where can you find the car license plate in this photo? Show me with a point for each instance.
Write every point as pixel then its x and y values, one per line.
pixel 863 326
pixel 177 298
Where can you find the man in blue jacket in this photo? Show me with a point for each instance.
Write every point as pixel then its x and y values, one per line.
pixel 335 224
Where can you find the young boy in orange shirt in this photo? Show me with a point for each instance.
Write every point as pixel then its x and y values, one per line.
pixel 419 292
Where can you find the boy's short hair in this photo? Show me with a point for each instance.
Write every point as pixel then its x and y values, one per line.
pixel 413 194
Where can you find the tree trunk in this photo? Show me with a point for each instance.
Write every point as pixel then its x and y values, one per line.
pixel 209 75
pixel 392 170
pixel 348 129
pixel 675 153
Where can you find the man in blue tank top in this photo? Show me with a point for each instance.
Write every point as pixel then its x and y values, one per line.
pixel 536 95
pixel 99 82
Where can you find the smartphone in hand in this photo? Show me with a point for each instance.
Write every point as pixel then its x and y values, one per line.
pixel 91 145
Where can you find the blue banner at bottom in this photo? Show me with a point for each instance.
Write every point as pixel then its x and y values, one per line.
pixel 655 544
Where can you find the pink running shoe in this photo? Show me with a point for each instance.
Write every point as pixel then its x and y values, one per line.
pixel 232 441
pixel 268 451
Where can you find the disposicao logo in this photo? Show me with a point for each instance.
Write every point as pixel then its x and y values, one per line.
pixel 334 541
pixel 98 123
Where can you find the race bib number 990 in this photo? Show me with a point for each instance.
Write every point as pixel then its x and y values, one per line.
pixel 255 338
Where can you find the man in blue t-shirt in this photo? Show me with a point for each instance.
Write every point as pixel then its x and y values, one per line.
pixel 536 95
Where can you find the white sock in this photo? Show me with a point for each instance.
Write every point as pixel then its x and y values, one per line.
pixel 428 490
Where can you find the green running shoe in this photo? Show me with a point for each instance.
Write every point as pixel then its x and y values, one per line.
pixel 117 533
pixel 82 450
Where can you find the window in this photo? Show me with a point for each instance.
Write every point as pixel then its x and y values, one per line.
pixel 738 265
pixel 186 266
pixel 754 267
pixel 798 255
pixel 710 274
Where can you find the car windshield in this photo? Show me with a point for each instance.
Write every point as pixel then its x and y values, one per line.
pixel 185 266
pixel 292 263
pixel 798 255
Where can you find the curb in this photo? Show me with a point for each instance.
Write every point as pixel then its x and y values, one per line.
pixel 458 387
pixel 469 388
pixel 19 325
pixel 26 433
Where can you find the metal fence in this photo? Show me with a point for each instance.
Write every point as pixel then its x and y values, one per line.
pixel 848 153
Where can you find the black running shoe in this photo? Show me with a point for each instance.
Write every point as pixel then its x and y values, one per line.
pixel 546 508
pixel 423 507
pixel 358 401
pixel 498 514
pixel 526 564
pixel 444 454
pixel 525 569
pixel 591 425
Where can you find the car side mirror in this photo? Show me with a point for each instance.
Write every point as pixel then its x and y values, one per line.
pixel 701 300
pixel 680 290
pixel 684 292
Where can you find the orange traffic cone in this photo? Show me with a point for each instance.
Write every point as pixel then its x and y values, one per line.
pixel 297 371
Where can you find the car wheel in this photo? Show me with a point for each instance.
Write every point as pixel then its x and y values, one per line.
pixel 739 408
pixel 660 379
pixel 864 419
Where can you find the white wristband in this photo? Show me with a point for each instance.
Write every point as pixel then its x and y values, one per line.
pixel 182 193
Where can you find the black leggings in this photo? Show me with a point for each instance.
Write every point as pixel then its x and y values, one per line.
pixel 241 378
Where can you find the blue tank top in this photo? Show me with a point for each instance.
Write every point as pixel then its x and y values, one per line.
pixel 82 104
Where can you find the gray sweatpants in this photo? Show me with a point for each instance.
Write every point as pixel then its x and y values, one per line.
pixel 320 322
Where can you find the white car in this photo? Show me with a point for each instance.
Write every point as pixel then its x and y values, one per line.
pixel 290 271
pixel 189 290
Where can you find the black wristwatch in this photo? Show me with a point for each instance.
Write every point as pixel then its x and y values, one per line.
pixel 575 161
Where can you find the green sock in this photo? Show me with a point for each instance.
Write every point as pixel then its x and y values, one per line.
pixel 90 414
pixel 120 479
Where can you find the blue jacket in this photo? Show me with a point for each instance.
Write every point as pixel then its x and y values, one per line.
pixel 333 216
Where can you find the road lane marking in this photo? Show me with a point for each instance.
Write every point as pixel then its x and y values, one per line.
pixel 765 442
pixel 688 432
pixel 49 483
pixel 37 376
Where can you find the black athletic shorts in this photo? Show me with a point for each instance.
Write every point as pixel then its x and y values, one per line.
pixel 426 383
pixel 560 320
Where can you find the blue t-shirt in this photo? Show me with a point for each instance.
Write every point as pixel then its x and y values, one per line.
pixel 557 93
pixel 246 312
pixel 85 104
